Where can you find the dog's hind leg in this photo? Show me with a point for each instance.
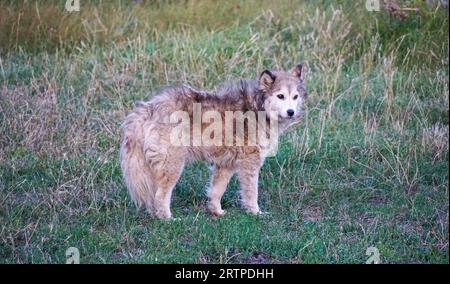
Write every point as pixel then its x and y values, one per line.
pixel 219 181
pixel 165 179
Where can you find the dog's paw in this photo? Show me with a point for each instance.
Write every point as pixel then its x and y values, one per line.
pixel 254 210
pixel 217 212
pixel 163 215
pixel 257 212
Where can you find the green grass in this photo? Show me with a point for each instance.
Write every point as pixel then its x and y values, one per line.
pixel 368 167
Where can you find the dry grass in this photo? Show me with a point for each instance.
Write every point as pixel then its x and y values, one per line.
pixel 369 165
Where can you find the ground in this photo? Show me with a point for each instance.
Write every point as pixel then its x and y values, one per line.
pixel 367 167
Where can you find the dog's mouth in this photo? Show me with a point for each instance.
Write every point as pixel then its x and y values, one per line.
pixel 286 118
pixel 290 119
pixel 281 117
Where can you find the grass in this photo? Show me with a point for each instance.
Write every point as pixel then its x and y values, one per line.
pixel 368 167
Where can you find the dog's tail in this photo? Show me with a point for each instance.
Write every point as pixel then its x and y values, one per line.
pixel 135 169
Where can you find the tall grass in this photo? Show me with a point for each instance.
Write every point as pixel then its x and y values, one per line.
pixel 369 165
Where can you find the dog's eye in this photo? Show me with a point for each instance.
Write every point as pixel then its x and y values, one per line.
pixel 280 96
pixel 295 97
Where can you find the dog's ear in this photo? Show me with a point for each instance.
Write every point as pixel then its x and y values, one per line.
pixel 266 79
pixel 297 71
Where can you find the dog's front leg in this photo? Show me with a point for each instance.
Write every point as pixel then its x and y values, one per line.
pixel 219 181
pixel 248 174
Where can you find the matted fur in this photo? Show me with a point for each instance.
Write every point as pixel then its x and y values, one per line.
pixel 152 165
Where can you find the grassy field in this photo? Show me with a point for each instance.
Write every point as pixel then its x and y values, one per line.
pixel 368 167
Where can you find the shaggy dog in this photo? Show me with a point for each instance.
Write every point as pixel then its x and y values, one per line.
pixel 156 146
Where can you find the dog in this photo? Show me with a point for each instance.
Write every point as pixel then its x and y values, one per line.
pixel 152 154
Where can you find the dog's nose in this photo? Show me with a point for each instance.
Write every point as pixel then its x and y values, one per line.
pixel 290 112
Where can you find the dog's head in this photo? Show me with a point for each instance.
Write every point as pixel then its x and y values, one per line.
pixel 284 92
